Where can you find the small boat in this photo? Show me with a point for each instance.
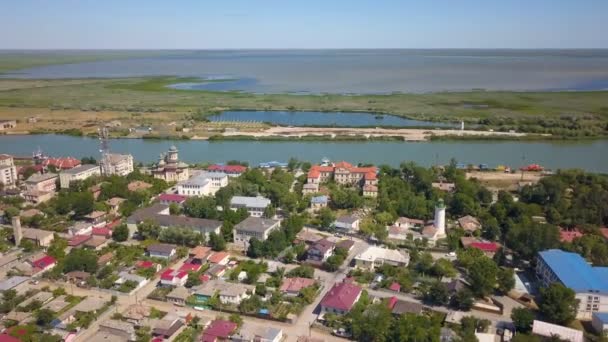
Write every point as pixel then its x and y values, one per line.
pixel 379 117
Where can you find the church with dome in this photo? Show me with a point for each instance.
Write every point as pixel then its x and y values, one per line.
pixel 169 168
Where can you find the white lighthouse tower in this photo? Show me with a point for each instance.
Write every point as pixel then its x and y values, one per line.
pixel 439 221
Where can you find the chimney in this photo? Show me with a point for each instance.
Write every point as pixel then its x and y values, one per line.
pixel 17 233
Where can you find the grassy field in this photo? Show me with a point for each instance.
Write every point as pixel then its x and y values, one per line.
pixel 559 113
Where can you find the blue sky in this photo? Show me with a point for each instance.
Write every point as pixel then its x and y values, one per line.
pixel 216 24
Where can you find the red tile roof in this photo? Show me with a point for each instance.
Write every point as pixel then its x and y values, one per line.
pixel 145 264
pixel 395 287
pixel 62 163
pixel 217 257
pixel 190 267
pixel 8 338
pixel 172 198
pixel 569 235
pixel 342 296
pixel 344 165
pixel 78 240
pixel 295 284
pixel 370 176
pixel 232 169
pixel 391 302
pixel 486 246
pixel 112 224
pixel 44 262
pixel 103 231
pixel 167 275
pixel 219 329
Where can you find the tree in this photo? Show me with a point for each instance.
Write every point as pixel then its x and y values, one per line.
pixel 217 241
pixel 88 160
pixel 372 323
pixel 463 300
pixel 522 319
pixel 270 212
pixel 236 318
pixel 416 328
pixel 482 276
pixel 44 317
pixel 57 248
pixel 120 233
pixel 558 303
pixel 148 229
pixel 326 218
pixel 505 280
pixel 81 259
pixel 437 294
pixel 174 209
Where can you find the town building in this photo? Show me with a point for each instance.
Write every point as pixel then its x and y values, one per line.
pixel 219 258
pixel 293 286
pixel 408 223
pixel 166 327
pixel 40 187
pixel 120 329
pixel 8 171
pixel 230 170
pixel 257 333
pixel 168 199
pixel 251 227
pixel 321 250
pixel 203 184
pixel 117 164
pixel 599 322
pixel 172 277
pixel 178 296
pixel 39 237
pixel 199 254
pixel 571 270
pixel 43 264
pixel 161 250
pixel 341 298
pixel 549 330
pixel 61 163
pixel 229 293
pixel 159 214
pixel 114 204
pixel 81 172
pixel 469 224
pixel 255 206
pixel 318 202
pixel 169 168
pixel 375 256
pixel 219 330
pixel 347 223
pixel 345 174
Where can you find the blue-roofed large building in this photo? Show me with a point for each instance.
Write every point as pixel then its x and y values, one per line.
pixel 573 271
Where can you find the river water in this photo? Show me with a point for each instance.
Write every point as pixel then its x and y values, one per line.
pixel 357 71
pixel 589 155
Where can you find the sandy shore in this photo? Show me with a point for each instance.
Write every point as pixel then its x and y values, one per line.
pixel 408 134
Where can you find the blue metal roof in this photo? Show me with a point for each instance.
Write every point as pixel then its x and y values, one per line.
pixel 574 271
pixel 319 199
pixel 602 316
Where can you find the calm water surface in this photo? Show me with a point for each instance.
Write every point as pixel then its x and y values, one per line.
pixel 587 155
pixel 358 71
pixel 338 119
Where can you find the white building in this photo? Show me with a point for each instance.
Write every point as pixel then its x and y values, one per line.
pixel 589 283
pixel 81 172
pixel 436 230
pixel 251 227
pixel 229 293
pixel 545 329
pixel 347 223
pixel 254 205
pixel 375 256
pixel 118 164
pixel 8 171
pixel 203 184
